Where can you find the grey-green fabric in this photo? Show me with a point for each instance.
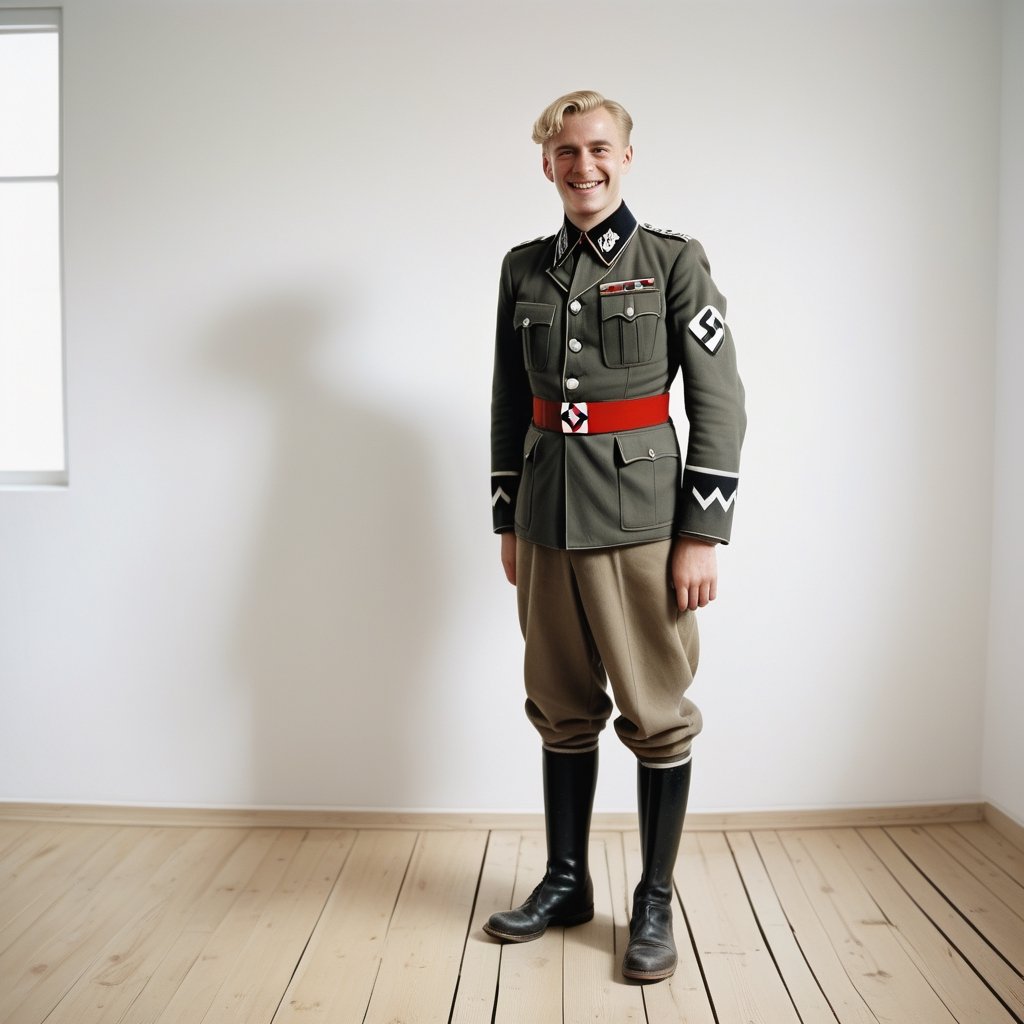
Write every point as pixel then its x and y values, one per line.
pixel 556 327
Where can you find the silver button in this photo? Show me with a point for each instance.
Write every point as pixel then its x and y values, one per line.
pixel 526 321
pixel 572 384
pixel 574 306
pixel 650 451
pixel 629 312
pixel 575 345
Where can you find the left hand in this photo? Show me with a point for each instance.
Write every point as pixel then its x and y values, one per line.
pixel 694 572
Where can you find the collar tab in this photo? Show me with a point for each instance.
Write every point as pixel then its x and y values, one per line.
pixel 606 240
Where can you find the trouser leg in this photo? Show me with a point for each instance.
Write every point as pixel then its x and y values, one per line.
pixel 648 647
pixel 565 895
pixel 566 687
pixel 662 795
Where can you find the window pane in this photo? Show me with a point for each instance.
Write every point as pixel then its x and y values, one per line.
pixel 29 110
pixel 31 371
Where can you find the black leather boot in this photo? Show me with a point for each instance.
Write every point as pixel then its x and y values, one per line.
pixel 565 896
pixel 662 795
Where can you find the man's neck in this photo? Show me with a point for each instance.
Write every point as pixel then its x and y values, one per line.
pixel 598 218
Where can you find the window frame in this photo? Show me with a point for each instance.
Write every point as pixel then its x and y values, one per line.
pixel 18 20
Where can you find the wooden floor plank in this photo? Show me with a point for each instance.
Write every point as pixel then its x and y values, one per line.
pixel 998 975
pixel 336 976
pixel 28 889
pixel 996 847
pixel 481 959
pixel 167 971
pixel 115 925
pixel 530 988
pixel 199 987
pixel 872 954
pixel 846 1002
pixel 23 846
pixel 593 988
pixel 810 1002
pixel 991 875
pixel 627 1002
pixel 967 997
pixel 986 911
pixel 110 985
pixel 620 872
pixel 684 996
pixel 19 842
pixel 420 972
pixel 253 989
pixel 45 857
pixel 12 833
pixel 744 985
pixel 46 960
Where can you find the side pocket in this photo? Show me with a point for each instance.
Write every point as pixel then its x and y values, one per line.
pixel 648 466
pixel 629 327
pixel 524 501
pixel 533 321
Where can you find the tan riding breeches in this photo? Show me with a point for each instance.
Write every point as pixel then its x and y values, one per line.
pixel 607 615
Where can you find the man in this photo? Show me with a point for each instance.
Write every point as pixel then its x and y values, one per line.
pixel 607 534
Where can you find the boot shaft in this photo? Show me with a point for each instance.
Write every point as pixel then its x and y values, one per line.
pixel 569 784
pixel 662 795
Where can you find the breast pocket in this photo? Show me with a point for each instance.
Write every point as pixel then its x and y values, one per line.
pixel 629 327
pixel 649 475
pixel 533 320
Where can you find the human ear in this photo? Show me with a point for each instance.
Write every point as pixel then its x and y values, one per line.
pixel 627 159
pixel 546 165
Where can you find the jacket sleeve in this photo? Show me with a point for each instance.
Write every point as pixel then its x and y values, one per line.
pixel 713 397
pixel 511 408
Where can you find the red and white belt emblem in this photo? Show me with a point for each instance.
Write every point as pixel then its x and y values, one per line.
pixel 575 419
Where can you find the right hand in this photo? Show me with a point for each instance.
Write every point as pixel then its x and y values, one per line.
pixel 508 555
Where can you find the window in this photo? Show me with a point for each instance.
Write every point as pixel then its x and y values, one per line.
pixel 32 431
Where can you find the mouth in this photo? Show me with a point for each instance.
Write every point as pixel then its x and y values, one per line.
pixel 583 186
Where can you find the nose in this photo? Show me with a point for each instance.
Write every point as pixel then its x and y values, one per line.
pixel 583 163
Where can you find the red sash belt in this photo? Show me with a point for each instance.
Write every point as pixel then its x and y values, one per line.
pixel 600 417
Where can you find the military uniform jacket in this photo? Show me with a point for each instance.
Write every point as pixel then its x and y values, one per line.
pixel 610 314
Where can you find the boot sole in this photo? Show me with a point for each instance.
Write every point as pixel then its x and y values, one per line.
pixel 555 922
pixel 648 975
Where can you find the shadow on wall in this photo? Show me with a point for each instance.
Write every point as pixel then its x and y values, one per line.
pixel 338 612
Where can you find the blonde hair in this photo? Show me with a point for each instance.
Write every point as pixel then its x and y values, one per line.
pixel 580 102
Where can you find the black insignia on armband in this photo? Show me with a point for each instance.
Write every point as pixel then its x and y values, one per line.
pixel 710 487
pixel 504 486
pixel 708 327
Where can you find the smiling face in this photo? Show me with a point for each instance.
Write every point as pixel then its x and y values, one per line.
pixel 586 160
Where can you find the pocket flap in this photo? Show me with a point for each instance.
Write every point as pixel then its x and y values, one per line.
pixel 527 313
pixel 648 445
pixel 533 435
pixel 630 305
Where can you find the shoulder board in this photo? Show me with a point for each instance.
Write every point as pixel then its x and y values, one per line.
pixel 668 232
pixel 532 241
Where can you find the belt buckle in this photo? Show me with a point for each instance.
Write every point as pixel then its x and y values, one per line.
pixel 575 418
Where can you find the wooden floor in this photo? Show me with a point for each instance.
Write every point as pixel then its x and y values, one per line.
pixel 139 924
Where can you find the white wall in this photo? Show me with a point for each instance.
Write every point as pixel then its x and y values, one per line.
pixel 271 580
pixel 1003 779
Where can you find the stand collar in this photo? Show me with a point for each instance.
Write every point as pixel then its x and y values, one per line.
pixel 606 240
